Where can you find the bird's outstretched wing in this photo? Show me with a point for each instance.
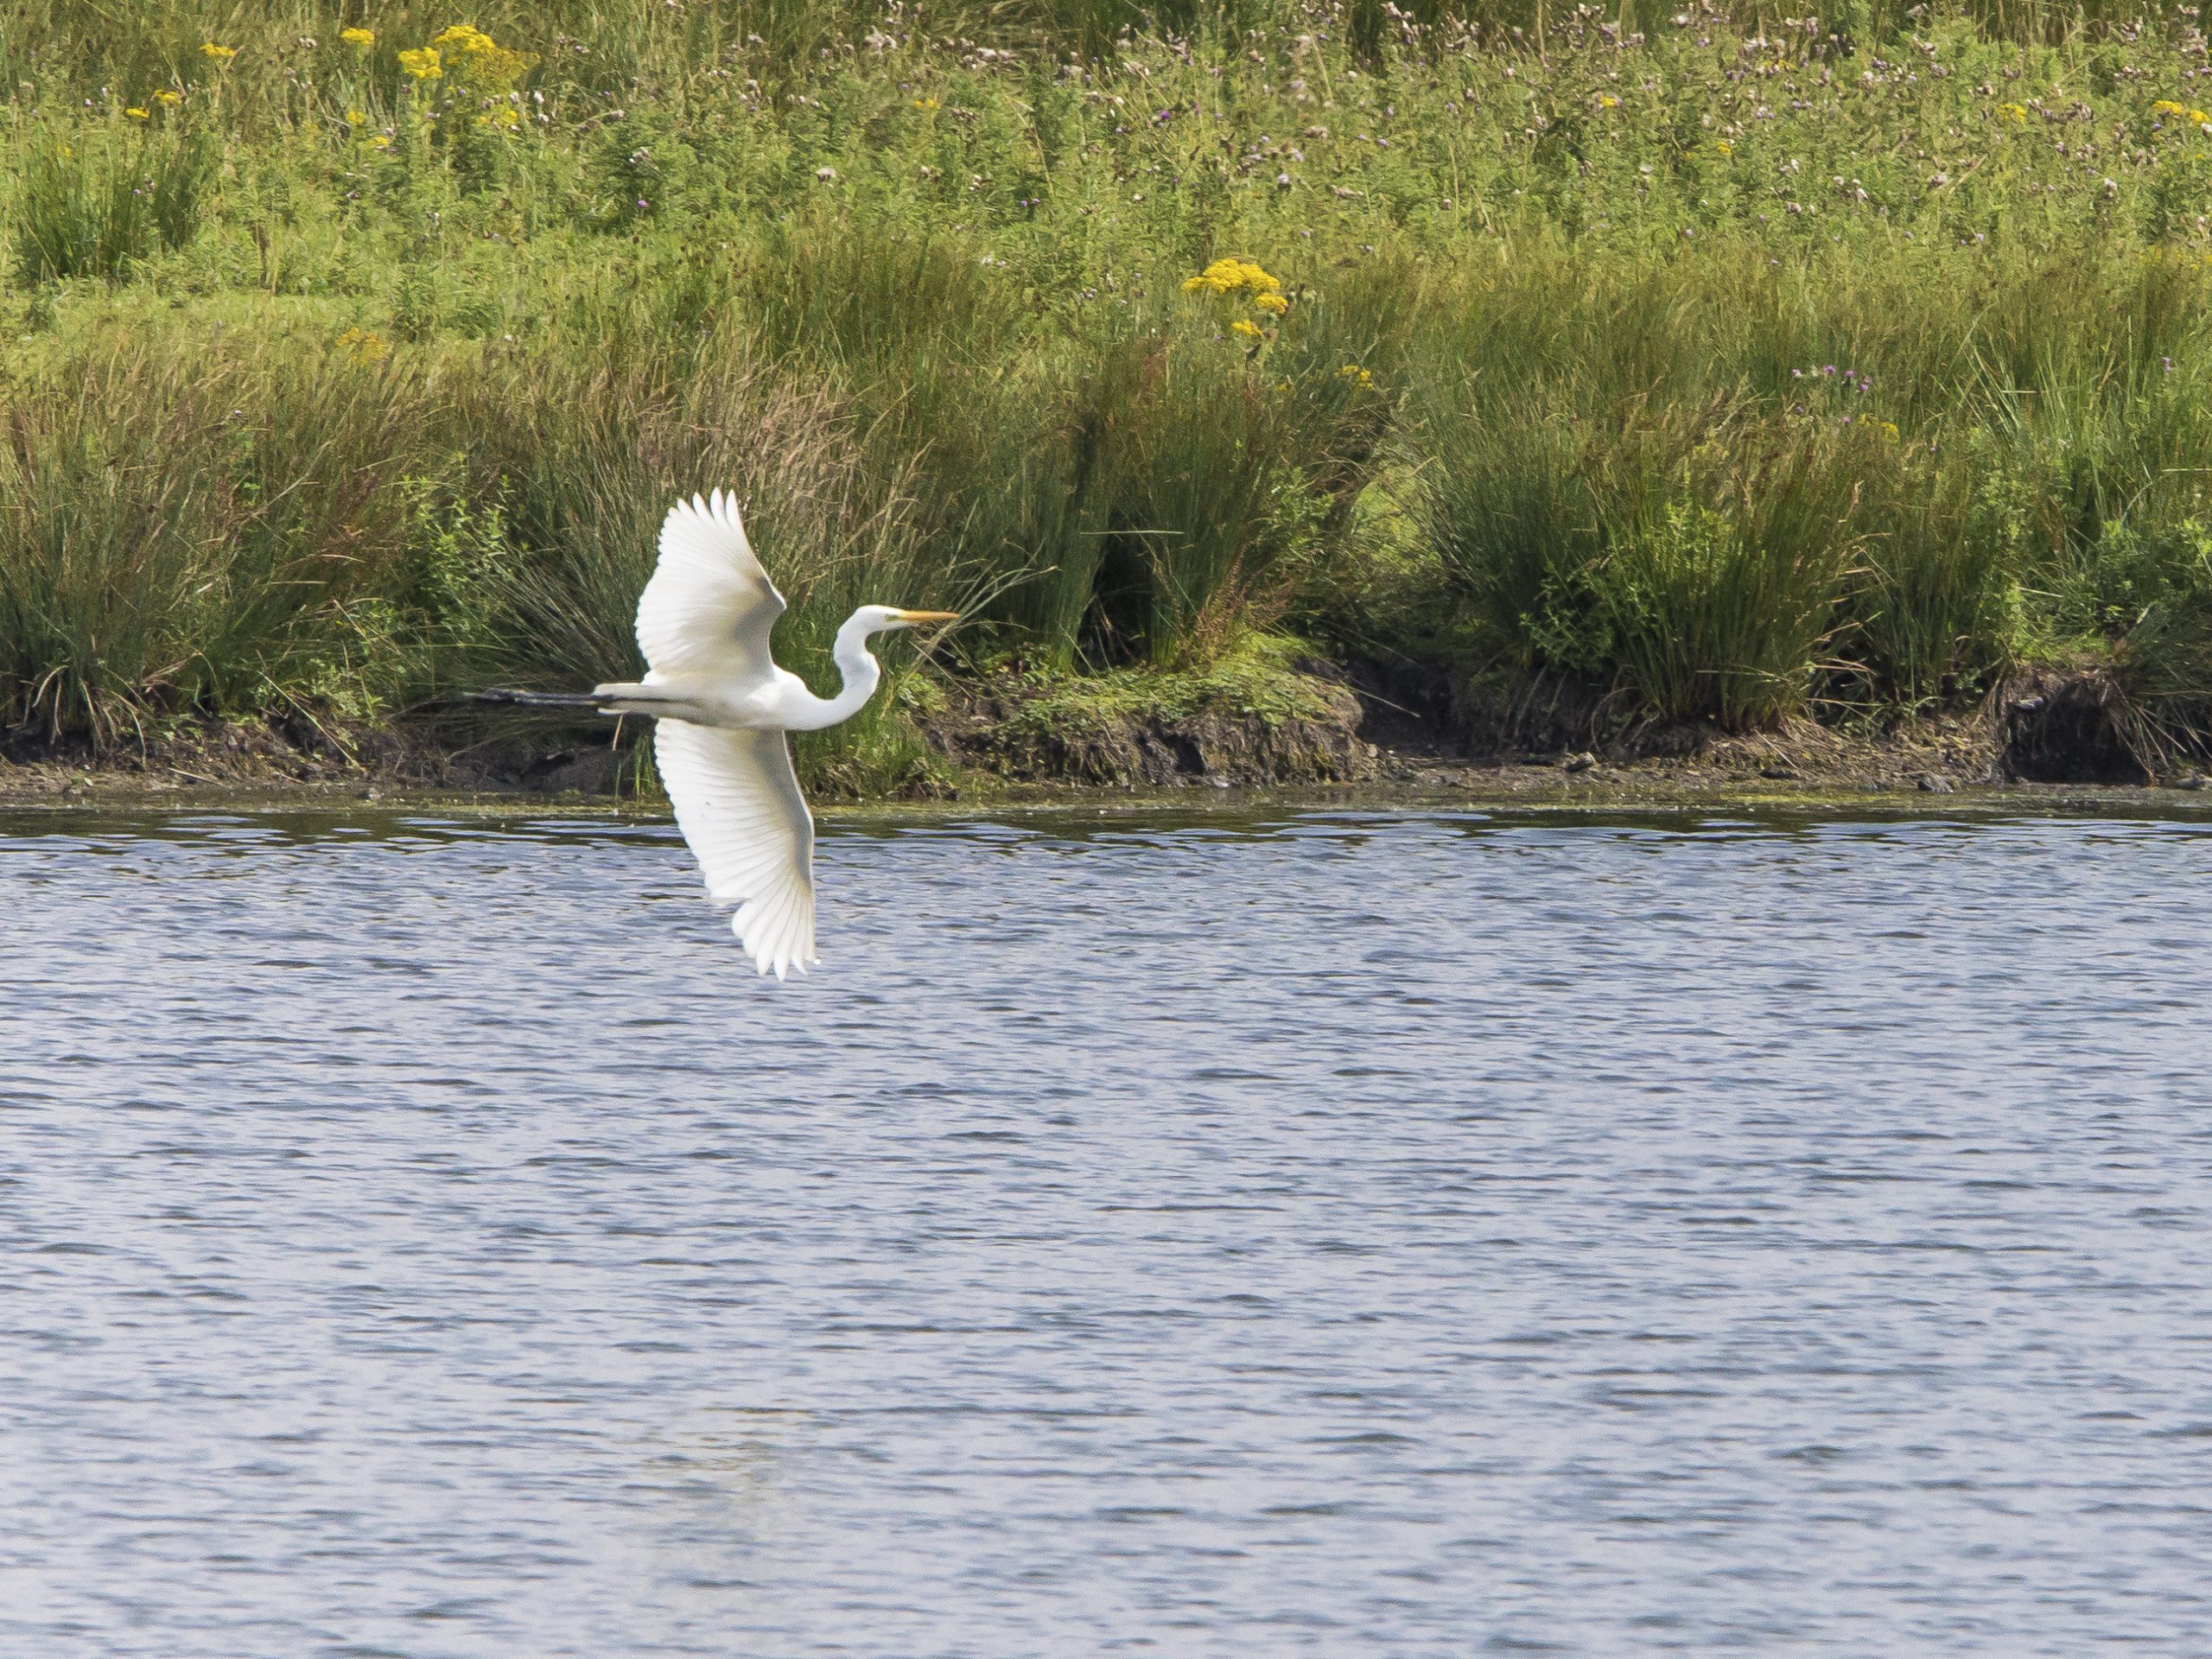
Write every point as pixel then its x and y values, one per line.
pixel 709 606
pixel 738 804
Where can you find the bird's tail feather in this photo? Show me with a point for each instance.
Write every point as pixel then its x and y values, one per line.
pixel 629 697
pixel 622 698
pixel 540 699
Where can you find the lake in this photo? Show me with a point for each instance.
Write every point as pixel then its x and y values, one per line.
pixel 1239 1233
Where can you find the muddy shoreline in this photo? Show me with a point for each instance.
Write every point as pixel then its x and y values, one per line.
pixel 2092 799
pixel 1321 733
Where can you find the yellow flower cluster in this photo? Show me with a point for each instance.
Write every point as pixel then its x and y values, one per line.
pixel 2167 107
pixel 363 38
pixel 482 61
pixel 364 345
pixel 1888 430
pixel 925 105
pixel 220 53
pixel 422 63
pixel 1227 276
pixel 137 114
pixel 1607 101
pixel 2016 113
pixel 1724 147
pixel 166 97
pixel 1356 375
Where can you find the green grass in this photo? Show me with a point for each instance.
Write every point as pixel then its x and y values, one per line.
pixel 1738 370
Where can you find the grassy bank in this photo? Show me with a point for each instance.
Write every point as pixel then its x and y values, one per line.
pixel 1736 371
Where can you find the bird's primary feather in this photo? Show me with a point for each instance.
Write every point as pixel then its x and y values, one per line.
pixel 737 803
pixel 709 607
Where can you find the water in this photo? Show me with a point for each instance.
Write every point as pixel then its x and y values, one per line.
pixel 1332 1234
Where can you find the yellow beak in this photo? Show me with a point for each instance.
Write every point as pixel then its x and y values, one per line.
pixel 928 616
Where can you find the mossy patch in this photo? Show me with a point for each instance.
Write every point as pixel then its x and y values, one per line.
pixel 1261 710
pixel 1266 677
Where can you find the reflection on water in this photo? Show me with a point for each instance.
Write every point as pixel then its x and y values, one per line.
pixel 1336 1234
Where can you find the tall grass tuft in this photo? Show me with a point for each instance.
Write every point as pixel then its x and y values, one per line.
pixel 1694 559
pixel 1733 487
pixel 91 201
pixel 180 535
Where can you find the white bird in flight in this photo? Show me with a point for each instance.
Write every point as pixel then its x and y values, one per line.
pixel 723 708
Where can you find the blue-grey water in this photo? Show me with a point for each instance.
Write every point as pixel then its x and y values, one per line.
pixel 1325 1233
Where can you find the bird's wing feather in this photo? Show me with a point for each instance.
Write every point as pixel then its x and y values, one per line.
pixel 709 606
pixel 738 805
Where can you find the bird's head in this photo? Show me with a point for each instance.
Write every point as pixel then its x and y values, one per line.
pixel 885 618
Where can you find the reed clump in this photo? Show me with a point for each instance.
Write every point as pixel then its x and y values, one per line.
pixel 1739 369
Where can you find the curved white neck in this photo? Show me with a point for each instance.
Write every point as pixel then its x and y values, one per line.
pixel 862 674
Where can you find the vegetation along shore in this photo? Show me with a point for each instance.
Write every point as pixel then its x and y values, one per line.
pixel 1280 390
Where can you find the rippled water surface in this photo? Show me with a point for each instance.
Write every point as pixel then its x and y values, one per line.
pixel 1316 1233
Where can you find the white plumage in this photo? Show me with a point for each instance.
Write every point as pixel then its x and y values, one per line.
pixel 737 803
pixel 723 707
pixel 708 596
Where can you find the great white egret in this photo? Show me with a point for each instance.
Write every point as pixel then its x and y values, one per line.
pixel 722 707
